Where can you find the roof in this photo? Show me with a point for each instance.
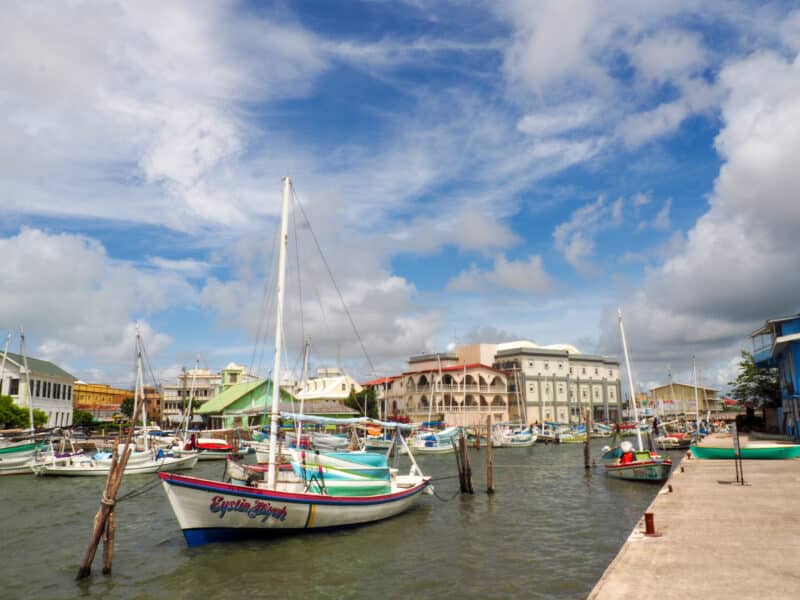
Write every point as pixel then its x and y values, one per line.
pixel 381 381
pixel 766 327
pixel 456 368
pixel 528 345
pixel 686 385
pixel 222 401
pixel 317 408
pixel 43 367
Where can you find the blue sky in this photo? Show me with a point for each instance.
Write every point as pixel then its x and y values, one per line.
pixel 474 171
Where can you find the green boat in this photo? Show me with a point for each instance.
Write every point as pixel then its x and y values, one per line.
pixel 766 452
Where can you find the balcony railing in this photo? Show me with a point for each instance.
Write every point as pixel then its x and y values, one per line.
pixel 459 389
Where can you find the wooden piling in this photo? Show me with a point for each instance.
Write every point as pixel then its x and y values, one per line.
pixel 101 528
pixel 587 450
pixel 465 460
pixel 489 464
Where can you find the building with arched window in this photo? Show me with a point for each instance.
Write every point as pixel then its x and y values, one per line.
pixel 511 381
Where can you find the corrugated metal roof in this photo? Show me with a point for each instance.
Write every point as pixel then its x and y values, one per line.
pixel 222 401
pixel 44 367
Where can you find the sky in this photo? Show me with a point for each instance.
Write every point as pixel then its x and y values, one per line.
pixel 471 172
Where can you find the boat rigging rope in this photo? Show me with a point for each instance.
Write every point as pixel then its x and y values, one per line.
pixel 335 285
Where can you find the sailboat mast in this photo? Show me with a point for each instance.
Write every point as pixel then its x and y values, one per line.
pixel 276 369
pixel 3 364
pixel 140 386
pixel 188 414
pixel 304 383
pixel 696 403
pixel 630 378
pixel 27 375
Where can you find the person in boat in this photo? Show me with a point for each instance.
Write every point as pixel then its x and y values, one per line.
pixel 628 455
pixel 655 426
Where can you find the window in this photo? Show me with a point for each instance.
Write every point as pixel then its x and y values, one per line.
pixel 583 394
pixel 610 373
pixel 530 364
pixel 596 372
pixel 38 387
pixel 57 395
pixel 570 370
pixel 560 366
pixel 69 392
pixel 234 377
pixel 344 387
pixel 13 389
pixel 546 366
pixel 596 394
pixel 583 370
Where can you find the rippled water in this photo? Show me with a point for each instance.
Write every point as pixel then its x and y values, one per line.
pixel 549 531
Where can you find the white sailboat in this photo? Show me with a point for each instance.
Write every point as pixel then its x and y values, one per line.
pixel 18 454
pixel 209 510
pixel 139 462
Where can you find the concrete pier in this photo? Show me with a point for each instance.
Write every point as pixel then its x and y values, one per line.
pixel 718 539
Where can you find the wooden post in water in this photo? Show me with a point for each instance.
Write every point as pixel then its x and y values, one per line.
pixel 104 527
pixel 587 451
pixel 489 464
pixel 467 466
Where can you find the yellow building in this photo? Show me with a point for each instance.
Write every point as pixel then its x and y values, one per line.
pixel 102 400
pixel 677 398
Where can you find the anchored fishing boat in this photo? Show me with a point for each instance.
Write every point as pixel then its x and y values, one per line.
pixel 751 451
pixel 622 461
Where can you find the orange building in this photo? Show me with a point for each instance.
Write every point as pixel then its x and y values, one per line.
pixel 102 400
pixel 152 400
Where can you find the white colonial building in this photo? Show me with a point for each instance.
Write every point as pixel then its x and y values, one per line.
pixel 559 383
pixel 51 387
pixel 511 381
pixel 331 386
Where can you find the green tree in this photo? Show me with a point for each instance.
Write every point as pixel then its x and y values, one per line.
pixel 358 400
pixel 759 385
pixel 126 408
pixel 39 418
pixel 82 417
pixel 18 417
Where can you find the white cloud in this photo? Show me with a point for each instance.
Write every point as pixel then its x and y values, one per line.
pixel 559 120
pixel 518 275
pixel 733 270
pixel 661 221
pixel 153 92
pixel 575 238
pixel 669 55
pixel 77 301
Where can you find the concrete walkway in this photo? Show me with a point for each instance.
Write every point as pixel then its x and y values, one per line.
pixel 719 539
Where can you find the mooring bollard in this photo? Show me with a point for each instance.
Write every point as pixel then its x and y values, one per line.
pixel 650 525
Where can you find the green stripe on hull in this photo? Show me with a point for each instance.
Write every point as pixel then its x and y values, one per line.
pixel 23 448
pixel 766 453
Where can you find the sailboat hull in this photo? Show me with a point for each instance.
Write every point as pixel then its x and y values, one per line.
pixel 85 467
pixel 211 511
pixel 17 459
pixel 654 471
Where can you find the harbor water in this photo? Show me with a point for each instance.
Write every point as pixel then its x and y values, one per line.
pixel 549 531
